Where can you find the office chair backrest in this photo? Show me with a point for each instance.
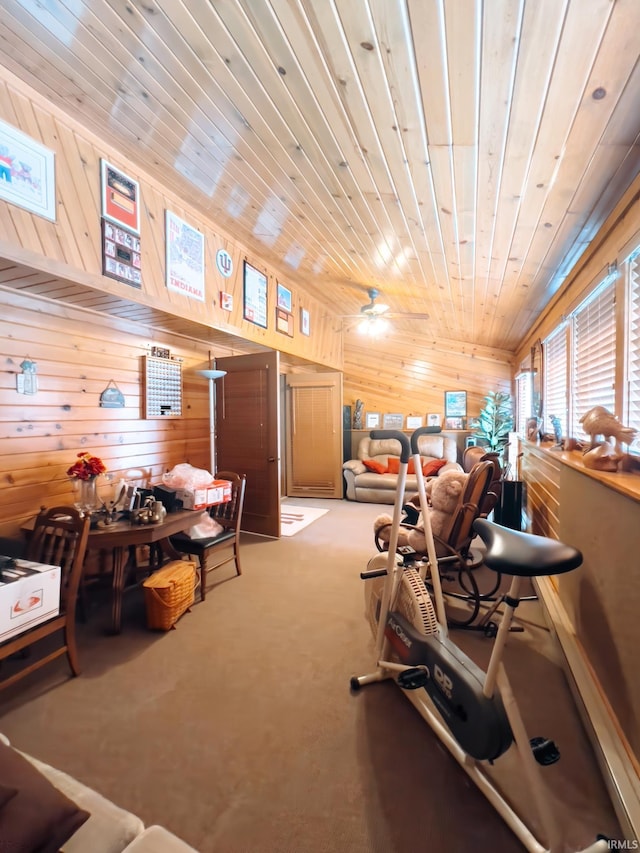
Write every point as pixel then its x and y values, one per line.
pixel 470 506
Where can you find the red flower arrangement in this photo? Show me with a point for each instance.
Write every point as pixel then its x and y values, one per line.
pixel 86 467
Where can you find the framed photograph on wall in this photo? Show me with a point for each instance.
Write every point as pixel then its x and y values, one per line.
pixel 120 197
pixel 284 298
pixel 304 322
pixel 372 420
pixel 254 295
pixel 27 172
pixel 455 404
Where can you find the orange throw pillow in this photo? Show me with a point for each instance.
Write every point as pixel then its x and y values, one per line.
pixel 373 465
pixel 432 467
pixel 393 466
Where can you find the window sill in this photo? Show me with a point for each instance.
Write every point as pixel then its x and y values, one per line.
pixel 625 482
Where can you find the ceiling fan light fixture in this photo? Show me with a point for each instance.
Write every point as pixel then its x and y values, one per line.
pixel 373 326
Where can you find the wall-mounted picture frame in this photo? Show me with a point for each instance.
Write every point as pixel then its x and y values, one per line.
pixel 414 421
pixel 226 301
pixel 304 322
pixel 433 420
pixel 455 404
pixel 284 322
pixel 392 420
pixel 184 248
pixel 27 173
pixel 454 423
pixel 254 295
pixel 372 420
pixel 120 197
pixel 121 254
pixel 284 298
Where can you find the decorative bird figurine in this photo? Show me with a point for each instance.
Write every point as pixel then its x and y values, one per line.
pixel 600 421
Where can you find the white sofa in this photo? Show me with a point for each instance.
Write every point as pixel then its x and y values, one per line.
pixel 365 485
pixel 109 828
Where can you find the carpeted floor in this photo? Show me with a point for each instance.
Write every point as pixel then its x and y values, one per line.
pixel 238 730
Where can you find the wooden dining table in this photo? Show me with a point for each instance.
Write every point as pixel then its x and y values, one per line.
pixel 120 536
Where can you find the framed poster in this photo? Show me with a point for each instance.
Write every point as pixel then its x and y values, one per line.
pixel 184 247
pixel 254 295
pixel 455 404
pixel 304 322
pixel 121 254
pixel 120 197
pixel 284 298
pixel 284 322
pixel 27 173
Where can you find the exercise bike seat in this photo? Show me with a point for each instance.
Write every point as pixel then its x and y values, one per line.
pixel 511 552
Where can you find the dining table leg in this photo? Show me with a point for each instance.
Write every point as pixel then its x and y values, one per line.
pixel 120 563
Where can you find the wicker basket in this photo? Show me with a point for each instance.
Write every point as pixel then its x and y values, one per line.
pixel 168 593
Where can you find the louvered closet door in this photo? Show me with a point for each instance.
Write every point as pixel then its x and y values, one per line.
pixel 314 435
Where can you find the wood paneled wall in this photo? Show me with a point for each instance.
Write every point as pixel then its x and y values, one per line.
pixel 77 354
pixel 70 248
pixel 409 373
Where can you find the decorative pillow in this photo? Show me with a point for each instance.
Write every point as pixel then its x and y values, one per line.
pixel 393 466
pixel 39 818
pixel 375 466
pixel 433 466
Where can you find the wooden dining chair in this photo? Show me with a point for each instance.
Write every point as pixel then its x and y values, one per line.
pixel 59 538
pixel 229 517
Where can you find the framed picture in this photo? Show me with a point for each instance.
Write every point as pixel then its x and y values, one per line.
pixel 226 301
pixel 473 423
pixel 433 420
pixel 392 421
pixel 414 422
pixel 372 420
pixel 454 423
pixel 121 254
pixel 184 248
pixel 27 173
pixel 455 404
pixel 304 322
pixel 284 298
pixel 284 322
pixel 120 197
pixel 254 295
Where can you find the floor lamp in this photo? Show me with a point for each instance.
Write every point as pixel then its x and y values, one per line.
pixel 212 375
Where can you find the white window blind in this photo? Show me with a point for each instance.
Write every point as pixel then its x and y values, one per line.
pixel 594 361
pixel 633 367
pixel 523 396
pixel 555 379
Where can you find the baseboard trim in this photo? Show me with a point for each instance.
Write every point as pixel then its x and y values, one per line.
pixel 617 762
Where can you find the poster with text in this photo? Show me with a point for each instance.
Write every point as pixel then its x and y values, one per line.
pixel 185 258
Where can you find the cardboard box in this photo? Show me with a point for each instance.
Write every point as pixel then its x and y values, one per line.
pixel 217 492
pixel 29 595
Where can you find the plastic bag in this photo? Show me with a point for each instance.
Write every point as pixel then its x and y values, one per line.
pixel 205 528
pixel 185 476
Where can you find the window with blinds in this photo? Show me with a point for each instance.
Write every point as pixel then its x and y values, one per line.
pixel 633 364
pixel 555 394
pixel 523 400
pixel 594 354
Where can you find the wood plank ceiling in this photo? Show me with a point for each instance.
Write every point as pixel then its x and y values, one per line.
pixel 457 155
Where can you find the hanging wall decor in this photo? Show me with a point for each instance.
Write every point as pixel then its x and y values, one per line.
pixel 112 397
pixel 184 257
pixel 27 381
pixel 120 197
pixel 121 254
pixel 27 173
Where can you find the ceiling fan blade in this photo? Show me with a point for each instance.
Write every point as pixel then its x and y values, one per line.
pixel 407 315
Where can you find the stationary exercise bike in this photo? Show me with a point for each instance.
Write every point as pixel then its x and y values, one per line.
pixel 474 713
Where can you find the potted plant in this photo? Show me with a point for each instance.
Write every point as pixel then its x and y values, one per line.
pixel 495 421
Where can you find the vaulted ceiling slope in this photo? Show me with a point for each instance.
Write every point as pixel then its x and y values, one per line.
pixel 458 155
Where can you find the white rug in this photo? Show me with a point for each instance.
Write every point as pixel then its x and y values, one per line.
pixel 293 519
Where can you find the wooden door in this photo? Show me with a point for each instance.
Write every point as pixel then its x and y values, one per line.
pixel 314 435
pixel 247 440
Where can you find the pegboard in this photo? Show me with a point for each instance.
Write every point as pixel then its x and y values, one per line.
pixel 162 395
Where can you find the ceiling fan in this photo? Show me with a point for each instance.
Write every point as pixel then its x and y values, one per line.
pixel 374 310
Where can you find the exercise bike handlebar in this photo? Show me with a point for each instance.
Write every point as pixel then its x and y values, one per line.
pixel 405 454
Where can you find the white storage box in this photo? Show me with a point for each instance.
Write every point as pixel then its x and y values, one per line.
pixel 29 595
pixel 217 492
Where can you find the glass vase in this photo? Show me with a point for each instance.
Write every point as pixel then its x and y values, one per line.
pixel 85 494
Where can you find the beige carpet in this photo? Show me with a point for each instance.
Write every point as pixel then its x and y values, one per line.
pixel 239 733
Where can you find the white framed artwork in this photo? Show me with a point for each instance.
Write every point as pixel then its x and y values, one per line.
pixel 27 173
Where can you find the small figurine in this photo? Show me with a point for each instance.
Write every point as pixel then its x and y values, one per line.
pixel 599 421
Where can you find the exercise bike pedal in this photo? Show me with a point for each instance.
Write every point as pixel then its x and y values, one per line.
pixel 414 678
pixel 544 750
